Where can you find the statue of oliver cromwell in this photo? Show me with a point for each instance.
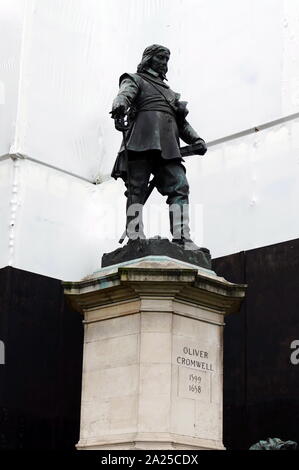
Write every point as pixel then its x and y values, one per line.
pixel 156 122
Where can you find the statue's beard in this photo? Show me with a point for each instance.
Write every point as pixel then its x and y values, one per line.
pixel 163 75
pixel 162 71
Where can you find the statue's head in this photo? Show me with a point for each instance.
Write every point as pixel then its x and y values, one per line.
pixel 155 57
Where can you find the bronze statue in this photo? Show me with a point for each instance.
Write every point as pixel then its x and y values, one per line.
pixel 152 119
pixel 274 443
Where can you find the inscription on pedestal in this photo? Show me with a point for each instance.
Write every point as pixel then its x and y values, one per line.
pixel 194 385
pixel 193 357
pixel 195 369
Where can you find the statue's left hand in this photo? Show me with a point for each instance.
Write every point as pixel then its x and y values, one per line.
pixel 203 146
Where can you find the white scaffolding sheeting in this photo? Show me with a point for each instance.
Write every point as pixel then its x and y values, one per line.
pixel 235 62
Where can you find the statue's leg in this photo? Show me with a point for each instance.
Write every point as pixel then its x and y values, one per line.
pixel 140 170
pixel 172 182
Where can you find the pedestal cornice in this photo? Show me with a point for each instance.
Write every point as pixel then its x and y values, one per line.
pixel 126 283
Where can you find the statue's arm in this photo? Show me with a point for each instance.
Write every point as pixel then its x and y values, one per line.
pixel 188 134
pixel 127 93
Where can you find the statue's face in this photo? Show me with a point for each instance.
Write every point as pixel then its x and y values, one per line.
pixel 159 62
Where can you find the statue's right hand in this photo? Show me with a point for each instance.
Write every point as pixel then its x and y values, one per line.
pixel 118 110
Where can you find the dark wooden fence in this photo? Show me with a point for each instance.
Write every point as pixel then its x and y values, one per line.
pixel 40 383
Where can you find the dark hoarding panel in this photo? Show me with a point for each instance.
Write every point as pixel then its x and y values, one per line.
pixel 260 381
pixel 41 381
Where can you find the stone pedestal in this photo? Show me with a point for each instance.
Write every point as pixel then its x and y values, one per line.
pixel 152 371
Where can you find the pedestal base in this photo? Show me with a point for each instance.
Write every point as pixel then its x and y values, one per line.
pixel 152 368
pixel 136 249
pixel 159 441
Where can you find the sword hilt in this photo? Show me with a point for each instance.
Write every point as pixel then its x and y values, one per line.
pixel 122 123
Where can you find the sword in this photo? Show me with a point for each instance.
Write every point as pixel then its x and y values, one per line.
pixel 122 123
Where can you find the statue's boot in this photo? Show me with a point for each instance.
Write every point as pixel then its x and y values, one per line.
pixel 134 221
pixel 179 226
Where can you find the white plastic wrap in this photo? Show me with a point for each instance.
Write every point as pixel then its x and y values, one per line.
pixel 249 190
pixel 227 61
pixel 290 61
pixel 11 30
pixel 244 194
pixel 6 231
pixel 235 62
pixel 63 224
